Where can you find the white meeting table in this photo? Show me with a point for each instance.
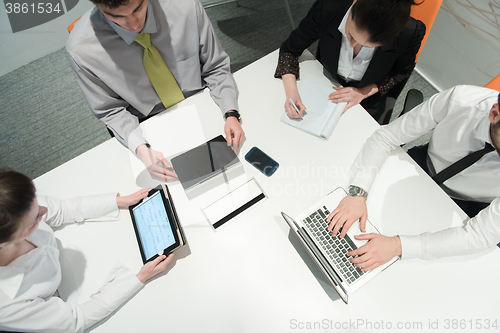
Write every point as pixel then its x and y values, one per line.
pixel 252 275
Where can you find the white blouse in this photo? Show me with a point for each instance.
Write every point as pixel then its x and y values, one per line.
pixel 350 67
pixel 27 285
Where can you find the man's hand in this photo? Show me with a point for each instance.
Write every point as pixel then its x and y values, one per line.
pixel 292 93
pixel 379 250
pixel 349 210
pixel 154 267
pixel 129 200
pixel 234 133
pixel 156 163
pixel 351 95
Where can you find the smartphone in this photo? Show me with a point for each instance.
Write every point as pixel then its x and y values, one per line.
pixel 261 161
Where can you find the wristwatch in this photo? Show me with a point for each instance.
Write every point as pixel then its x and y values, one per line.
pixel 356 191
pixel 235 114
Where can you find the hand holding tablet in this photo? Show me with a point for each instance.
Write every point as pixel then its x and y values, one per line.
pixel 156 225
pixel 154 267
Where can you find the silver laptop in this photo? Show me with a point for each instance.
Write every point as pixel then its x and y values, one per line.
pixel 328 252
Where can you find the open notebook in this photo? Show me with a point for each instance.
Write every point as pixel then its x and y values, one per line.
pixel 321 115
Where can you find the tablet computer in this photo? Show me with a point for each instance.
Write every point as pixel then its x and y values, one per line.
pixel 203 162
pixel 156 224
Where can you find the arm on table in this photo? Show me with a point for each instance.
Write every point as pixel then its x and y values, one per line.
pixel 351 95
pixel 377 251
pixel 79 209
pixel 216 72
pixel 349 210
pixel 234 133
pixel 156 164
pixel 477 234
pixel 288 64
pixel 378 147
pixel 292 92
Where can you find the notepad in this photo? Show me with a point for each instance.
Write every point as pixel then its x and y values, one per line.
pixel 321 115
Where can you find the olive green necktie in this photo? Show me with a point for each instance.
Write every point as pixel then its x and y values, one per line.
pixel 160 76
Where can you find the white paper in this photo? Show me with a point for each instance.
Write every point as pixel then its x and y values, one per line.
pixel 321 115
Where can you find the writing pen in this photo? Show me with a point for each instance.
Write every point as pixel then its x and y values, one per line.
pixel 294 106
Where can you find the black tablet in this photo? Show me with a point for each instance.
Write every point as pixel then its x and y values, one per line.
pixel 203 162
pixel 156 226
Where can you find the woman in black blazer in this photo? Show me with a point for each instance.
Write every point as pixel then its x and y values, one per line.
pixel 380 39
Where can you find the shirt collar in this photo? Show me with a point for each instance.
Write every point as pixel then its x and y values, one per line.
pixel 10 280
pixel 483 130
pixel 129 36
pixel 342 24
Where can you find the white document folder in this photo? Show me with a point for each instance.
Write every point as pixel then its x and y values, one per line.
pixel 321 115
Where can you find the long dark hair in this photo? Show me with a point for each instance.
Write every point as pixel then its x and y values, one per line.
pixel 383 20
pixel 17 193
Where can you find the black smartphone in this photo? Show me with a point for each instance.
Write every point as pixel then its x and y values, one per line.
pixel 261 161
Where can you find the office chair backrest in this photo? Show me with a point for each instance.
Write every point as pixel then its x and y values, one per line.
pixel 426 12
pixel 494 84
pixel 72 25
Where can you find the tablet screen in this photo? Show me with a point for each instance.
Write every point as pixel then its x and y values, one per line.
pixel 204 161
pixel 153 225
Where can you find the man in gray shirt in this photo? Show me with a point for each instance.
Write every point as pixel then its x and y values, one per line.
pixel 109 67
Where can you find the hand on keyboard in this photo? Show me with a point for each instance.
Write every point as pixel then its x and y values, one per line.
pixel 349 210
pixel 379 250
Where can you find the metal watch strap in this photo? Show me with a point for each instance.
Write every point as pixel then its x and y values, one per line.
pixel 357 191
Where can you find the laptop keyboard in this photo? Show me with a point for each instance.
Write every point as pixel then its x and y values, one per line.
pixel 334 248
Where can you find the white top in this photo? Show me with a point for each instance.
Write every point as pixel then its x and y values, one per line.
pixel 349 68
pixel 459 117
pixel 27 285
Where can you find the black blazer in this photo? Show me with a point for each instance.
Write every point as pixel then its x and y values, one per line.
pixel 396 59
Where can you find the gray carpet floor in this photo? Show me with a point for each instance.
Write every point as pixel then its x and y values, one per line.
pixel 45 121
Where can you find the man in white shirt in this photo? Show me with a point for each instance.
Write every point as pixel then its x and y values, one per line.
pixel 465 119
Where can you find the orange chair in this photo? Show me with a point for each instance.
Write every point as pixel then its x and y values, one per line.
pixel 426 12
pixel 494 84
pixel 72 25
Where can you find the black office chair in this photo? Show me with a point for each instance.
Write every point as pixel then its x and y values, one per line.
pixel 413 98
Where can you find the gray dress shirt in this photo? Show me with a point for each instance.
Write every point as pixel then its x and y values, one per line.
pixel 109 69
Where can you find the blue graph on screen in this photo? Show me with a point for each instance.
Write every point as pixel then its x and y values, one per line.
pixel 154 227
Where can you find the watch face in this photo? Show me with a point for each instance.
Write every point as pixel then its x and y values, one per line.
pixel 354 190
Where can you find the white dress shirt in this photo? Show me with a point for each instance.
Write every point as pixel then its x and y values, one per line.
pixel 459 117
pixel 27 285
pixel 349 68
pixel 109 68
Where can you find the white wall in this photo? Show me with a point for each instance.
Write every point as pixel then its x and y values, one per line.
pixel 20 48
pixel 464 44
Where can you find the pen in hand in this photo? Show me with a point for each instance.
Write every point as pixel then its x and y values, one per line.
pixel 294 106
